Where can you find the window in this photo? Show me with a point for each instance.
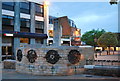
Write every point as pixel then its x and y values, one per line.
pixel 39 24
pixel 8 17
pixel 25 22
pixel 69 21
pixel 7 20
pixel 50 21
pixel 24 40
pixel 39 9
pixel 8 6
pixel 39 41
pixel 9 3
pixel 25 7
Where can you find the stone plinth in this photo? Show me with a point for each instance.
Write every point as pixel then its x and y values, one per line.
pixel 51 60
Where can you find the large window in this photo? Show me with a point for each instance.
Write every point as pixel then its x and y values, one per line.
pixel 39 24
pixel 8 6
pixel 7 20
pixel 24 40
pixel 39 9
pixel 39 41
pixel 9 3
pixel 25 22
pixel 25 7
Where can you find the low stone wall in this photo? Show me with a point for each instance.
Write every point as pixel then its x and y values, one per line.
pixel 42 65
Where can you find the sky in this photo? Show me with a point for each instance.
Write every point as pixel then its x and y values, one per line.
pixel 88 15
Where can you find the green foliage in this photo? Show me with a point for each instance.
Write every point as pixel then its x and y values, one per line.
pixel 108 39
pixel 118 38
pixel 90 36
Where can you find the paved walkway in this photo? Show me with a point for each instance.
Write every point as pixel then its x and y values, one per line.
pixel 11 74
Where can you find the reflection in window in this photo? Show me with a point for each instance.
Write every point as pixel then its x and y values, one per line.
pixel 25 22
pixel 39 9
pixel 9 3
pixel 39 24
pixel 7 20
pixel 8 17
pixel 24 40
pixel 8 6
pixel 24 5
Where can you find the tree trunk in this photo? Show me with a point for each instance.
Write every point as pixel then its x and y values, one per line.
pixel 113 50
pixel 109 50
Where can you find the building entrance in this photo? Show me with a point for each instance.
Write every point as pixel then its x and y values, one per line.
pixel 7 52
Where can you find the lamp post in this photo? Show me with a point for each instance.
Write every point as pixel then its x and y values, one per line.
pixel 46 20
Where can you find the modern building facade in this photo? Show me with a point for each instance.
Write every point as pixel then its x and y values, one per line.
pixel 28 23
pixel 21 22
pixel 70 34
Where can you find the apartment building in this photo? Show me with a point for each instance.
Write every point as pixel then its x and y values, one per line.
pixel 70 34
pixel 22 23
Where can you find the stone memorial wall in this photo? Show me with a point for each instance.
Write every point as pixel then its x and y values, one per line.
pixel 51 60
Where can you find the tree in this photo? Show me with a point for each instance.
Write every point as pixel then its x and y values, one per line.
pixel 108 39
pixel 90 37
pixel 118 37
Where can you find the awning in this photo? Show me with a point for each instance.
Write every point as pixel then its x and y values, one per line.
pixel 24 34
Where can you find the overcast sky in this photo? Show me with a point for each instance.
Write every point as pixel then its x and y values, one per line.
pixel 88 15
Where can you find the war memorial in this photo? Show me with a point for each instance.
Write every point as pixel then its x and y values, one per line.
pixel 54 59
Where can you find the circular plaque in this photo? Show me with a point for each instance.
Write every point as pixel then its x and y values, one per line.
pixel 19 55
pixel 31 56
pixel 74 56
pixel 52 56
